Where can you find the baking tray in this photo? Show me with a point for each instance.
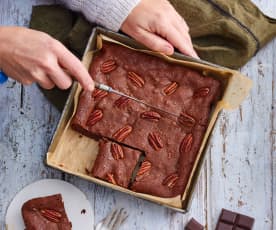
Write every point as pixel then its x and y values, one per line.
pixel 73 153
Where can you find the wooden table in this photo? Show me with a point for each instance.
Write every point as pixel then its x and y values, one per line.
pixel 239 173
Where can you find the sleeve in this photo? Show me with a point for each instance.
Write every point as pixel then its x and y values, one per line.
pixel 107 13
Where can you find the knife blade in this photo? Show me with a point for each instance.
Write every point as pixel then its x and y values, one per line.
pixel 111 90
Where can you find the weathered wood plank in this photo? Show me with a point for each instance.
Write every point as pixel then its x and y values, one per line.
pixel 273 138
pixel 27 123
pixel 240 165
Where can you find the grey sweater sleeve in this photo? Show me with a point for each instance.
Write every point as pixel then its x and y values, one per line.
pixel 107 13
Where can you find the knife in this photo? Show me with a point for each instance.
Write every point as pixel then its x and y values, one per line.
pixel 111 90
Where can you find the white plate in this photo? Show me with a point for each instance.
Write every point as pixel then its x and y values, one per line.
pixel 74 202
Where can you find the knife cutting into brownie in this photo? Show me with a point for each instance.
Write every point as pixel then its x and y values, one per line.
pixel 111 90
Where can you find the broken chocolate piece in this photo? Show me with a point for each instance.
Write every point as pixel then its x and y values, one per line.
pixel 194 225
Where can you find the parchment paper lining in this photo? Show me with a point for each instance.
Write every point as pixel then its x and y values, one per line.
pixel 75 154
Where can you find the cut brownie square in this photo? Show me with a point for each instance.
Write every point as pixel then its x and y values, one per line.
pixel 45 213
pixel 151 180
pixel 167 170
pixel 115 163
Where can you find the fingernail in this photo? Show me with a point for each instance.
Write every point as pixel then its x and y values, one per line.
pixel 168 50
pixel 194 54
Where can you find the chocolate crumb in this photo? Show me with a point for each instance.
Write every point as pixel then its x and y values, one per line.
pixel 87 171
pixel 83 211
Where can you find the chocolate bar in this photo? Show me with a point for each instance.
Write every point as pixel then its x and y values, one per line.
pixel 229 220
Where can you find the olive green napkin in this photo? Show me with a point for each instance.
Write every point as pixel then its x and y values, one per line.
pixel 225 32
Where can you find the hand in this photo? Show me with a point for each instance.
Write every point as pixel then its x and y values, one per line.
pixel 157 25
pixel 30 56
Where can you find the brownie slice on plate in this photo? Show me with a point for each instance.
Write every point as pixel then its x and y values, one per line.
pixel 45 213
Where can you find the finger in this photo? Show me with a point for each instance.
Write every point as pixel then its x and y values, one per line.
pixel 74 67
pixel 154 42
pixel 182 41
pixel 22 78
pixel 39 76
pixel 60 77
pixel 182 23
pixel 45 82
pixel 183 29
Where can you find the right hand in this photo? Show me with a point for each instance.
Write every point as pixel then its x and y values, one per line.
pixel 157 25
pixel 30 56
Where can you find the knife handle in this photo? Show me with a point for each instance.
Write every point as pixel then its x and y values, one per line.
pixel 3 77
pixel 103 87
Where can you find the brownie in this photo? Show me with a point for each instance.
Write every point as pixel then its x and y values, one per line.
pixel 115 163
pixel 170 143
pixel 45 213
pixel 170 167
pixel 168 86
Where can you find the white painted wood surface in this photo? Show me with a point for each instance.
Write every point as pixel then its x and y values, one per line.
pixel 239 173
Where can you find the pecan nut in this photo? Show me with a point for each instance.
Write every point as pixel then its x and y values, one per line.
pixel 171 180
pixel 186 143
pixel 122 133
pixel 110 178
pixel 121 102
pixel 108 66
pixel 136 79
pixel 202 92
pixel 171 88
pixel 94 117
pixel 150 115
pixel 155 141
pixel 186 120
pixel 99 94
pixel 144 168
pixel 117 151
pixel 51 215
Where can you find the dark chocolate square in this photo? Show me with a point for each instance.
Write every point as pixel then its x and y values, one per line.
pixel 228 216
pixel 245 221
pixel 194 225
pixel 224 226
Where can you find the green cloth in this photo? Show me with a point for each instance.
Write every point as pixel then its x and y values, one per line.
pixel 225 32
